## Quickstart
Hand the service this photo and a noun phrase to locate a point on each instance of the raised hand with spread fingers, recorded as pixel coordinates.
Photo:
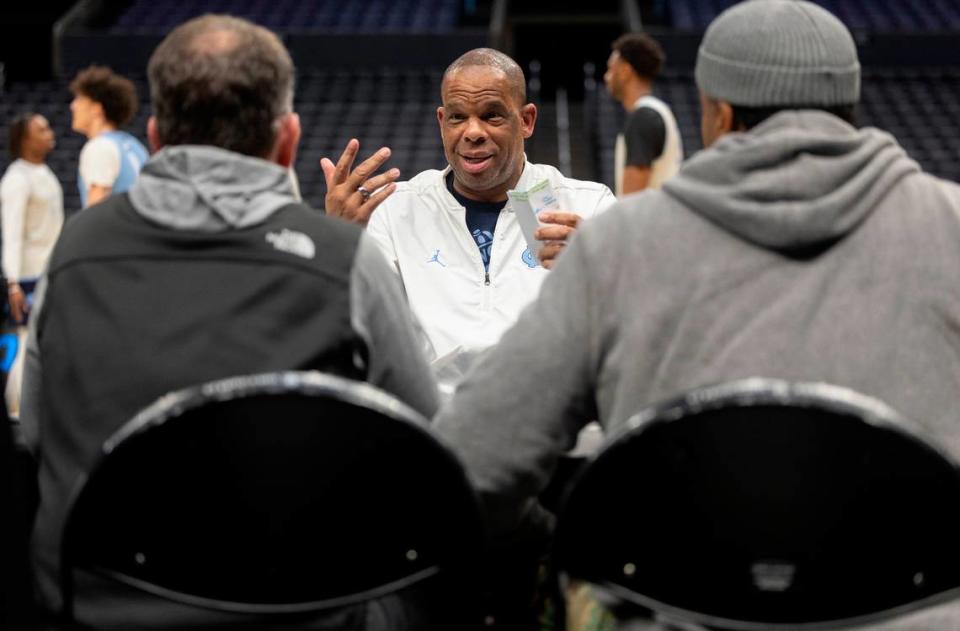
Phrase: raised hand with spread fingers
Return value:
(354, 195)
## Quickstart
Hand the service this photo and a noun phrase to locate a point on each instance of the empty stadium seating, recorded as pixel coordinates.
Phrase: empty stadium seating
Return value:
(890, 16)
(291, 16)
(396, 108)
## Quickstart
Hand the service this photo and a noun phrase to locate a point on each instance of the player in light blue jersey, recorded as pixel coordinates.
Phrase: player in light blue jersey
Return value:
(111, 159)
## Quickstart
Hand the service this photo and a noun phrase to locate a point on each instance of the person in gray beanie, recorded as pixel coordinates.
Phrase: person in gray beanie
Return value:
(758, 59)
(795, 246)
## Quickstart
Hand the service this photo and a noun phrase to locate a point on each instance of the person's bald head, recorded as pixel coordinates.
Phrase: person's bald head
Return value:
(222, 81)
(490, 58)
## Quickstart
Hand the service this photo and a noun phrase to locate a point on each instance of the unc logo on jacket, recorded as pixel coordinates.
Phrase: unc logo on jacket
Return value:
(421, 229)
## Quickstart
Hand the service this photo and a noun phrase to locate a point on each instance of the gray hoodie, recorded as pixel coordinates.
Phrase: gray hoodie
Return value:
(203, 188)
(803, 250)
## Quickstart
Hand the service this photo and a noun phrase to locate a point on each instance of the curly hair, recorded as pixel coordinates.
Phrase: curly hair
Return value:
(116, 94)
(642, 52)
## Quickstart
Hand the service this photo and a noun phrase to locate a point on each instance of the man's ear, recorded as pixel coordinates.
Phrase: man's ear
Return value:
(440, 114)
(98, 111)
(716, 119)
(288, 139)
(725, 117)
(528, 119)
(153, 136)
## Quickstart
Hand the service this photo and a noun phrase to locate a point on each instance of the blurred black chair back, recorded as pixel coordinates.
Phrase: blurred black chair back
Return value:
(762, 503)
(18, 503)
(273, 494)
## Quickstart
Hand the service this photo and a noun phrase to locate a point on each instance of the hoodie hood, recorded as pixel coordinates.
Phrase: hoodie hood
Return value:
(799, 179)
(207, 189)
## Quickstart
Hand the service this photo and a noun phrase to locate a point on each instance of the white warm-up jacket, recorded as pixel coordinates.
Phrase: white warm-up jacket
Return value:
(422, 230)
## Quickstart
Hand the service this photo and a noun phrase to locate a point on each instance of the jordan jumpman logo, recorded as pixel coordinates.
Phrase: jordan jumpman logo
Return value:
(436, 258)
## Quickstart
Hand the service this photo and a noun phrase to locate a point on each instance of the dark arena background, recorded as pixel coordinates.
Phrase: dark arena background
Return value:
(371, 70)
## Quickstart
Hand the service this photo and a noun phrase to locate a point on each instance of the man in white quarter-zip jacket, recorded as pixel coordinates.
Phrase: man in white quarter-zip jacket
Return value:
(451, 234)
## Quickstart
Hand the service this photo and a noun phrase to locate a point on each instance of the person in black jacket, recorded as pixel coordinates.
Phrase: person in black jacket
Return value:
(208, 267)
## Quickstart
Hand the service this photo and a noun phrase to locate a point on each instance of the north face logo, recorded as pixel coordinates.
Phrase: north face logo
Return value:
(293, 242)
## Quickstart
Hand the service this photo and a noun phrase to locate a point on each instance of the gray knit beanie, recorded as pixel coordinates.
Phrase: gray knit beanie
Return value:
(762, 53)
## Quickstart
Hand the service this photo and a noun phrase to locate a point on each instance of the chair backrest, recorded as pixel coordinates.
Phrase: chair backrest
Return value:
(761, 503)
(18, 503)
(276, 493)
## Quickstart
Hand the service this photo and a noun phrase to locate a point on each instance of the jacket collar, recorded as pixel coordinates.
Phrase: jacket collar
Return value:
(527, 179)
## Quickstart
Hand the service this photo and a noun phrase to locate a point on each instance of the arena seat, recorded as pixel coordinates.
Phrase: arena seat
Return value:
(18, 503)
(379, 106)
(890, 16)
(268, 499)
(397, 108)
(766, 504)
(294, 16)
